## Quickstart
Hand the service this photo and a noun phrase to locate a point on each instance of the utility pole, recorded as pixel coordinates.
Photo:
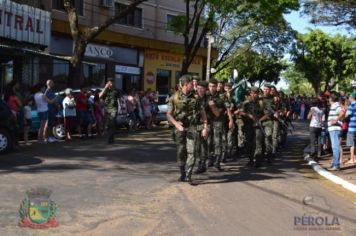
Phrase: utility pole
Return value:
(210, 41)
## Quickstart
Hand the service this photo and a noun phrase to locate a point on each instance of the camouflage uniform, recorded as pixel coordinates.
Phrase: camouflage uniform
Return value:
(254, 136)
(218, 127)
(186, 109)
(231, 137)
(268, 109)
(110, 98)
(276, 127)
(201, 143)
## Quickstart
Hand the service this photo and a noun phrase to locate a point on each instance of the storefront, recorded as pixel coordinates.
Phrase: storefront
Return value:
(163, 69)
(24, 35)
(100, 62)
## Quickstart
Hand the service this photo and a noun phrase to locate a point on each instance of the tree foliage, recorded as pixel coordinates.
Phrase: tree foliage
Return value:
(82, 35)
(324, 58)
(331, 12)
(237, 25)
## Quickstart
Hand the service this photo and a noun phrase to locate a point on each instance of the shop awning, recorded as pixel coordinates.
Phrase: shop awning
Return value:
(32, 51)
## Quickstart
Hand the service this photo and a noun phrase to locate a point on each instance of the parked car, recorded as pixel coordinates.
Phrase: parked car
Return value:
(162, 108)
(8, 128)
(58, 129)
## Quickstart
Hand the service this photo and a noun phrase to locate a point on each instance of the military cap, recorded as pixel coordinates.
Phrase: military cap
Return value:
(213, 81)
(195, 77)
(254, 89)
(203, 83)
(111, 79)
(185, 78)
(228, 84)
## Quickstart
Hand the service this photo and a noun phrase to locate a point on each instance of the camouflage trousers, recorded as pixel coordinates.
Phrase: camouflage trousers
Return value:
(186, 146)
(240, 130)
(275, 136)
(231, 141)
(268, 128)
(218, 138)
(201, 145)
(110, 122)
(254, 143)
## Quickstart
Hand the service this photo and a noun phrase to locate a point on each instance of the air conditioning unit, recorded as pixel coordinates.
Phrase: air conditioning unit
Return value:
(106, 3)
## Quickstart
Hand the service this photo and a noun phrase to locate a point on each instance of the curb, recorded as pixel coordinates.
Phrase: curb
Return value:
(328, 175)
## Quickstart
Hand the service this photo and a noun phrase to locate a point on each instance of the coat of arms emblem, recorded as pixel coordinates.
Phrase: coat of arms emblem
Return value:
(38, 210)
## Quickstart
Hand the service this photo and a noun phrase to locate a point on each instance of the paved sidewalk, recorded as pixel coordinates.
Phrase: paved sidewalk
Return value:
(347, 172)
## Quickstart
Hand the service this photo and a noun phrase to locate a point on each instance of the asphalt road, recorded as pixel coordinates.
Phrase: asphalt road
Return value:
(130, 188)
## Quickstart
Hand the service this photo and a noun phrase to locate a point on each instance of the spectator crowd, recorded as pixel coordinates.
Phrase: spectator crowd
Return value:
(82, 112)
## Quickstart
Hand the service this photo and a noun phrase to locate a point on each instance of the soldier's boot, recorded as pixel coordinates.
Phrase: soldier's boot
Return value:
(188, 174)
(217, 163)
(211, 161)
(223, 157)
(201, 167)
(182, 174)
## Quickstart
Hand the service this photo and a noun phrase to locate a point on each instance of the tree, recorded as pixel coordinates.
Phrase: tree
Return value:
(256, 68)
(236, 24)
(82, 35)
(331, 12)
(297, 83)
(324, 58)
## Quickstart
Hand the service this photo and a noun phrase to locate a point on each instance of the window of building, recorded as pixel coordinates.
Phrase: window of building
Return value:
(94, 75)
(60, 73)
(132, 19)
(79, 5)
(168, 20)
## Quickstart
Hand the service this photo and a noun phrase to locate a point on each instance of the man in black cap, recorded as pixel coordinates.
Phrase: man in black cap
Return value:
(110, 96)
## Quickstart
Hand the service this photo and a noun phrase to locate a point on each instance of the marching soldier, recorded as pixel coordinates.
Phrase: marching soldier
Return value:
(217, 107)
(267, 120)
(276, 120)
(184, 112)
(202, 143)
(231, 133)
(253, 112)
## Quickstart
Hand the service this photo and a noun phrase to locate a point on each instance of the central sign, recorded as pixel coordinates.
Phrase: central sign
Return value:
(24, 23)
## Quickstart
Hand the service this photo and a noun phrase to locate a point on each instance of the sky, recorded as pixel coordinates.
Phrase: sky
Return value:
(301, 24)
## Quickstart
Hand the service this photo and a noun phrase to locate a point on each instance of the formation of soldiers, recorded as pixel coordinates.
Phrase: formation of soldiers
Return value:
(210, 128)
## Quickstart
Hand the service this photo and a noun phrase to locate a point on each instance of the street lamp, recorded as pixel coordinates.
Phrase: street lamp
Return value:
(210, 42)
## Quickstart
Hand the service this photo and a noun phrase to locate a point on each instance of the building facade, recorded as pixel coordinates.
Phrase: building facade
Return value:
(139, 51)
(25, 33)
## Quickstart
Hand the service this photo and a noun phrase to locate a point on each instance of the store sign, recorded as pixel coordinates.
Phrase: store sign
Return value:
(169, 60)
(24, 23)
(127, 70)
(93, 50)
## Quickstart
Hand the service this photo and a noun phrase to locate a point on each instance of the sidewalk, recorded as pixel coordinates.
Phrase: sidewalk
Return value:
(347, 172)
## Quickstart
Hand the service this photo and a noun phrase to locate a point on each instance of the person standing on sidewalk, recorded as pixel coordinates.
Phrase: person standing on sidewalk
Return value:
(335, 117)
(351, 134)
(52, 109)
(110, 96)
(315, 116)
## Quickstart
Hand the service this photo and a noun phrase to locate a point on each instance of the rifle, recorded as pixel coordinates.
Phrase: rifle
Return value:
(284, 124)
(261, 127)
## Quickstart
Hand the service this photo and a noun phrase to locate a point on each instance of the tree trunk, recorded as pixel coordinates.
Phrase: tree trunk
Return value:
(75, 75)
